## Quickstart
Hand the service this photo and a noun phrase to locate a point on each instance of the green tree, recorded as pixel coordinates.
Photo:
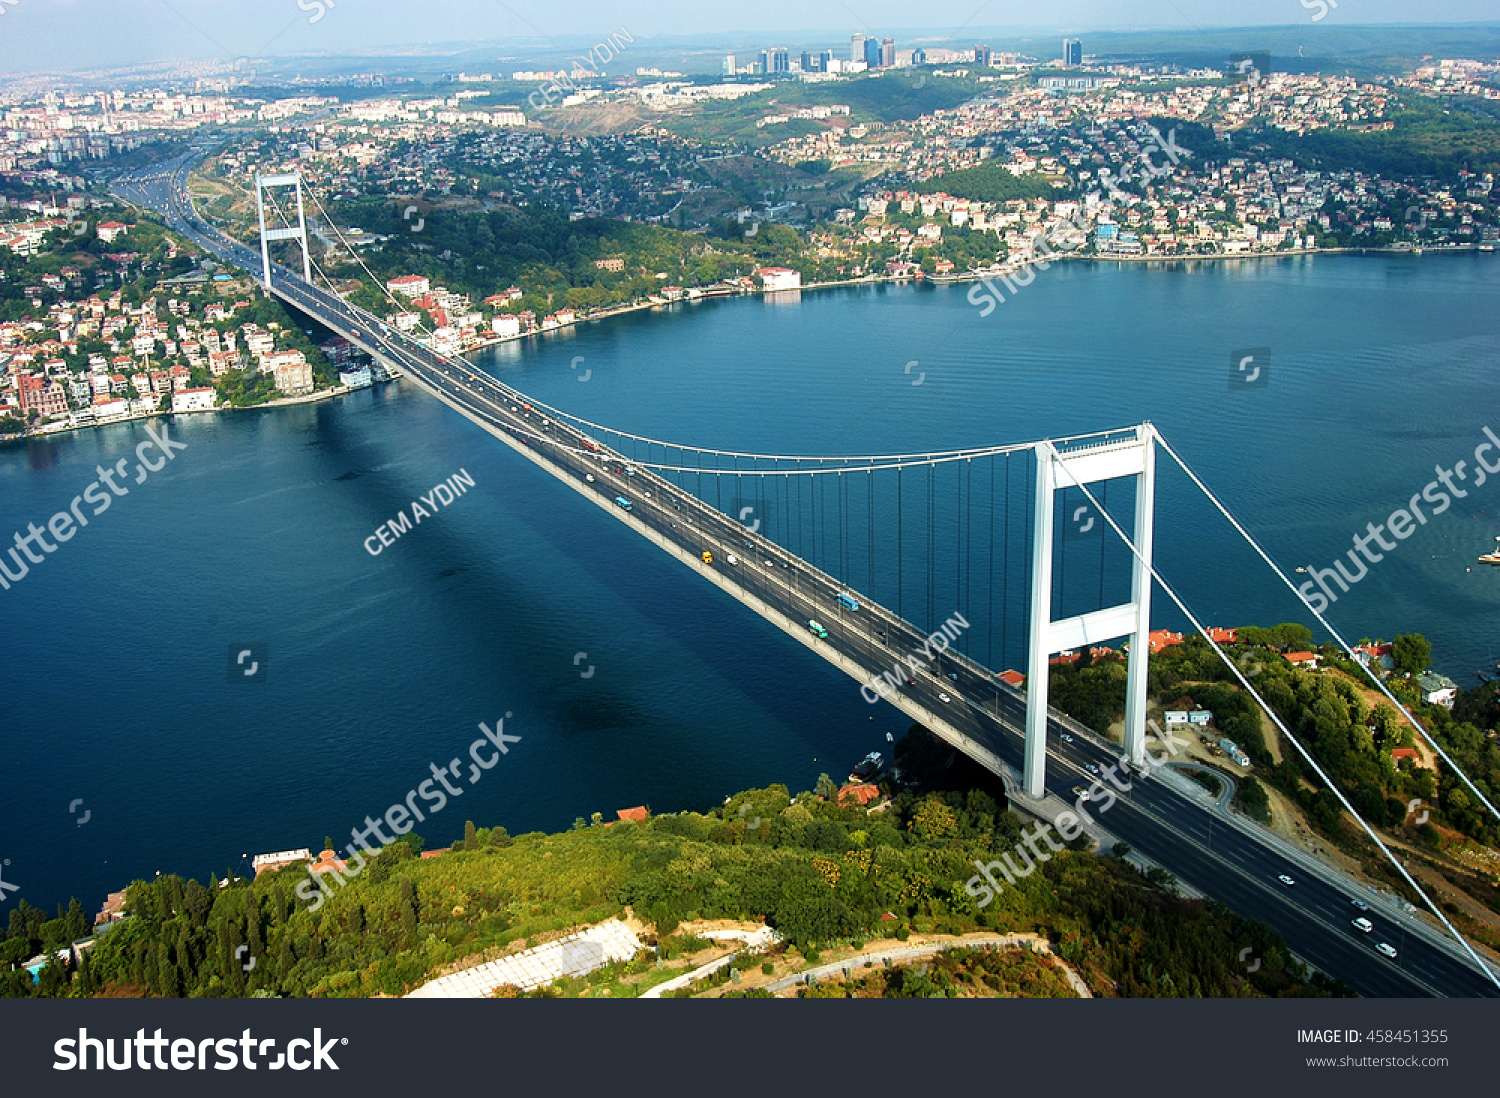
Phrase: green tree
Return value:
(826, 787)
(1411, 652)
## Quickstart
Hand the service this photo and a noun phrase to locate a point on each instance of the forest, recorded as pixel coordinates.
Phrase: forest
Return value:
(819, 871)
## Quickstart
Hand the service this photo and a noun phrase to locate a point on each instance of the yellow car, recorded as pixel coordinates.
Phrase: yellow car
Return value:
(708, 558)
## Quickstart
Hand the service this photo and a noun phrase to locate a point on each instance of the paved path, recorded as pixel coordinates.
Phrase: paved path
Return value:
(755, 941)
(908, 953)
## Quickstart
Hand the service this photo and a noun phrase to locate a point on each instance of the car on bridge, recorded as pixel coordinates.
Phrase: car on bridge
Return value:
(848, 602)
(816, 630)
(1362, 924)
(624, 503)
(708, 558)
(1284, 879)
(1387, 949)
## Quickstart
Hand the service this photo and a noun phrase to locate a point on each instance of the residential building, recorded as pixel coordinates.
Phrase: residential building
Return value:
(779, 278)
(1437, 689)
(409, 285)
(193, 400)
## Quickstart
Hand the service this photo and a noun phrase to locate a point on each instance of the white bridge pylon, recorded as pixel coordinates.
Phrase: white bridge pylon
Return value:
(262, 183)
(1057, 469)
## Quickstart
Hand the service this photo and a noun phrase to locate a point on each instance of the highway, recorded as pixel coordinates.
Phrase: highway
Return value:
(1184, 835)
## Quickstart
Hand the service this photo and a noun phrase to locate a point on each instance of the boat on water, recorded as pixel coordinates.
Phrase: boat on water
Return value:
(868, 767)
(1490, 558)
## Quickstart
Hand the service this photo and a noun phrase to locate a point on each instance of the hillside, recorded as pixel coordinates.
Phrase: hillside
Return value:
(823, 874)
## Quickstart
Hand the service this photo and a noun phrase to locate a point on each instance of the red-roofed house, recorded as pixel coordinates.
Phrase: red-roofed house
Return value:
(439, 852)
(1399, 753)
(862, 793)
(637, 813)
(1302, 659)
(327, 860)
(1013, 678)
(1164, 638)
(1221, 636)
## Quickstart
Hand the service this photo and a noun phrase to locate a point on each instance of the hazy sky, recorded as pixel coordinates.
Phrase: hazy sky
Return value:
(75, 34)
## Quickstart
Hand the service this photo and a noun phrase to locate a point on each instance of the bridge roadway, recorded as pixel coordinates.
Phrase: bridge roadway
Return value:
(981, 715)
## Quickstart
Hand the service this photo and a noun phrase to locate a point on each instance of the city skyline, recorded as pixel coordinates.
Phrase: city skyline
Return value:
(75, 35)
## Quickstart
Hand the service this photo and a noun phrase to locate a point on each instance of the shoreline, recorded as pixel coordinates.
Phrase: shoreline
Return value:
(862, 280)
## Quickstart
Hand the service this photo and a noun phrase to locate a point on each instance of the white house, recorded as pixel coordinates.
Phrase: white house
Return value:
(779, 278)
(1437, 689)
(193, 400)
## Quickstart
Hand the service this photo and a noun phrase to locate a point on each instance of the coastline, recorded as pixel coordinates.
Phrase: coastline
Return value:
(863, 280)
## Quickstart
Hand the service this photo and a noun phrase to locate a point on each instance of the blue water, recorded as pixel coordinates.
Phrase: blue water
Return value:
(114, 650)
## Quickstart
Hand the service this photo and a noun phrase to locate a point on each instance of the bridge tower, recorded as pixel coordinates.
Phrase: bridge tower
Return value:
(1065, 466)
(262, 184)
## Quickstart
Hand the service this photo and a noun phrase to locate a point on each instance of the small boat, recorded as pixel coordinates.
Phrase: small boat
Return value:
(1301, 571)
(1490, 558)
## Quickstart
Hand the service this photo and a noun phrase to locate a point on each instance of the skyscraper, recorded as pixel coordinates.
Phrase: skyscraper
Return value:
(888, 53)
(982, 56)
(872, 52)
(1072, 52)
(729, 69)
(856, 47)
(780, 60)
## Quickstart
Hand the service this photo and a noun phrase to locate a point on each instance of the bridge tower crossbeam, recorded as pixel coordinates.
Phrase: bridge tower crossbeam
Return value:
(1130, 457)
(262, 184)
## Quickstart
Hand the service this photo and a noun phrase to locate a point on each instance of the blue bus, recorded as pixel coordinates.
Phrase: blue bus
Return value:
(625, 503)
(847, 601)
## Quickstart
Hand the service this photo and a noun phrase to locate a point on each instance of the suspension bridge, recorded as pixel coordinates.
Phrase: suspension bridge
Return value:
(919, 575)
